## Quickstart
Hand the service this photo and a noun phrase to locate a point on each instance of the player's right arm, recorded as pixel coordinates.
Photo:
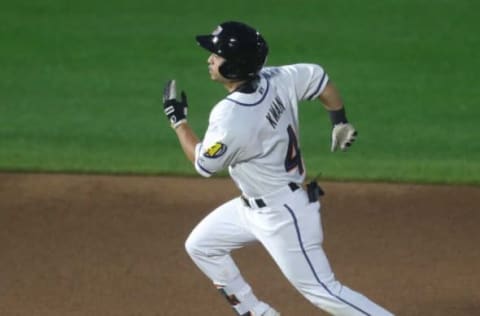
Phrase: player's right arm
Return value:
(330, 98)
(343, 133)
(311, 82)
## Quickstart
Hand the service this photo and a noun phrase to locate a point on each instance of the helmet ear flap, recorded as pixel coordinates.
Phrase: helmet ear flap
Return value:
(229, 70)
(237, 70)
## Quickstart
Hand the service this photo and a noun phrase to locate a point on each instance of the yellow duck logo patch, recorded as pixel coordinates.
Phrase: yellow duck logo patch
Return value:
(216, 150)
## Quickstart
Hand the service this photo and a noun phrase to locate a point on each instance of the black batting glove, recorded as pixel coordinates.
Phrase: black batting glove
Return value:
(176, 111)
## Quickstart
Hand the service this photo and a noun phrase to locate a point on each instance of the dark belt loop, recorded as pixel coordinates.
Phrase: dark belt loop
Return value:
(261, 203)
(293, 186)
(245, 200)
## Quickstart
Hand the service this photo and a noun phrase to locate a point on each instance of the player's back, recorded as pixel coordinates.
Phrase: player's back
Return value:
(266, 124)
(254, 130)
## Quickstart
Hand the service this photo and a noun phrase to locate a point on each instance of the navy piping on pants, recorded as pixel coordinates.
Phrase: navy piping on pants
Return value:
(299, 236)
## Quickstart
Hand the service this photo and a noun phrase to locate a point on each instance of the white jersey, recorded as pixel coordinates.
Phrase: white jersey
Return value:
(256, 135)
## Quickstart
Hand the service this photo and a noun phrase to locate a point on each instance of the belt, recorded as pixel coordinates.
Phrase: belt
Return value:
(261, 203)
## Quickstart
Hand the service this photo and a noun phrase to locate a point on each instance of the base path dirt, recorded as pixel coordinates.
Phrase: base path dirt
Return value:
(74, 245)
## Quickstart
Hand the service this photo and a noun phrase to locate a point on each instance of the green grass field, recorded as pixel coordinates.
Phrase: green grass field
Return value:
(81, 83)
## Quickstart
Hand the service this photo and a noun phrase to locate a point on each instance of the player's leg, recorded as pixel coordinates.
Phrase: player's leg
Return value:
(296, 246)
(209, 245)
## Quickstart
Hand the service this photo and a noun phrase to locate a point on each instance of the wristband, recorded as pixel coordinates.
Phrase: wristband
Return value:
(178, 123)
(338, 116)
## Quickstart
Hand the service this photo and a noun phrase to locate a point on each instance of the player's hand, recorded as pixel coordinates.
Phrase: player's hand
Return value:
(343, 136)
(176, 111)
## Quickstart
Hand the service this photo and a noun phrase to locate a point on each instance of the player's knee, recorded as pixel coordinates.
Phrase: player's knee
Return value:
(191, 246)
(194, 248)
(197, 247)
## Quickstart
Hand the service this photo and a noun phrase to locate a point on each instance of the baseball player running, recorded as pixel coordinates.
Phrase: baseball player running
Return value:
(254, 132)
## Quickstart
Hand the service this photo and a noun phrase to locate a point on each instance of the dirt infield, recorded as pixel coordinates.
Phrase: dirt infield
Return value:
(111, 245)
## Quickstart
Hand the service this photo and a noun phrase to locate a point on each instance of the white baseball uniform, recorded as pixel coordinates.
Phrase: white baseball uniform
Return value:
(254, 132)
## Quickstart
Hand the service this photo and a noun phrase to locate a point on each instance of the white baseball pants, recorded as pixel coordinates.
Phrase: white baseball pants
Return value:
(290, 229)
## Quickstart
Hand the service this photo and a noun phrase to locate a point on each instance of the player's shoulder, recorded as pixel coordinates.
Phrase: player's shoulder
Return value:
(235, 113)
(290, 69)
(242, 102)
(227, 121)
(221, 111)
(225, 112)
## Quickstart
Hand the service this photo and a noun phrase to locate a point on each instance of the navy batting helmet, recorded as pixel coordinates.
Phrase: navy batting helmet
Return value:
(243, 48)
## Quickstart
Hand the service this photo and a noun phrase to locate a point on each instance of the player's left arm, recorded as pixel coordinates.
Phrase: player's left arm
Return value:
(188, 140)
(176, 112)
(343, 133)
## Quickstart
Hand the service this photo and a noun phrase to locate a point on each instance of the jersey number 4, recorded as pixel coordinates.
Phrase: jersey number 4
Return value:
(294, 158)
